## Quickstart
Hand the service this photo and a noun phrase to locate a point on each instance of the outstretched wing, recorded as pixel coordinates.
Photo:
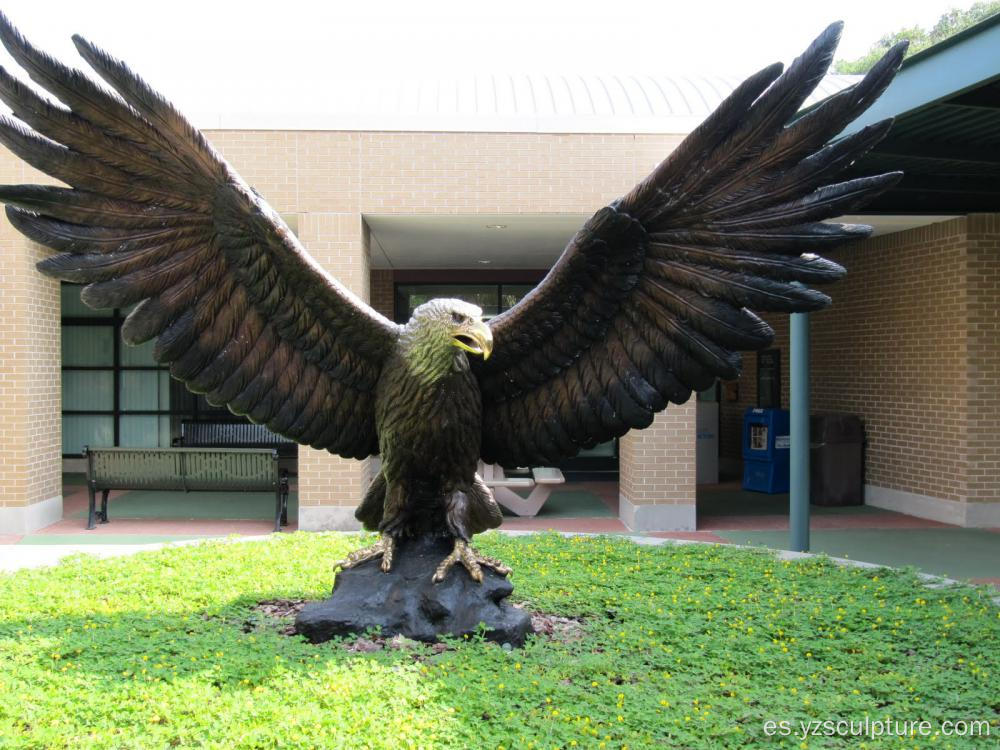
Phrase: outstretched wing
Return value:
(651, 299)
(155, 216)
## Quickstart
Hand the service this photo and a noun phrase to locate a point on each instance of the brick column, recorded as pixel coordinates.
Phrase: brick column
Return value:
(30, 378)
(330, 487)
(983, 438)
(657, 473)
(383, 293)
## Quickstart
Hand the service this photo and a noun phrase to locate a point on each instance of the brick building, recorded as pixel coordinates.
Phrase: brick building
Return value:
(396, 205)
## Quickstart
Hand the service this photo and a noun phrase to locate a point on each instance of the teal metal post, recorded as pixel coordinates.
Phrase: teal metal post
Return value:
(798, 510)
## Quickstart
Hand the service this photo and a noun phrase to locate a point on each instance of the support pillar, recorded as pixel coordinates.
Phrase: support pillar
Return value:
(30, 379)
(982, 507)
(798, 511)
(330, 487)
(657, 473)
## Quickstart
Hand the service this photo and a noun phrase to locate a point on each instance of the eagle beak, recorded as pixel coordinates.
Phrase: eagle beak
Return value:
(475, 337)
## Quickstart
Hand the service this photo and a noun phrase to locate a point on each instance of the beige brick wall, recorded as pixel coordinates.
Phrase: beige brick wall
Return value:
(657, 464)
(30, 400)
(983, 346)
(913, 328)
(339, 243)
(329, 179)
(452, 173)
(912, 345)
(893, 348)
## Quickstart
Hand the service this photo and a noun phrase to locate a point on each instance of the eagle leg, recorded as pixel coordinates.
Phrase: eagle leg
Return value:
(385, 546)
(471, 560)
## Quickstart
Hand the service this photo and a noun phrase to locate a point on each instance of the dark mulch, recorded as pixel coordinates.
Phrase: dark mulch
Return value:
(557, 628)
(281, 613)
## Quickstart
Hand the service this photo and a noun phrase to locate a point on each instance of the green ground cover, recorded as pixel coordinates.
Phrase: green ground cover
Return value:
(690, 646)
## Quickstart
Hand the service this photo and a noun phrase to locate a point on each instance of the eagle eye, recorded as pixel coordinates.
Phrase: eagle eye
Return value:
(458, 317)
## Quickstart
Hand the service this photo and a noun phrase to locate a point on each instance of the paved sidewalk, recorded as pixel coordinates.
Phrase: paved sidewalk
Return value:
(726, 515)
(20, 556)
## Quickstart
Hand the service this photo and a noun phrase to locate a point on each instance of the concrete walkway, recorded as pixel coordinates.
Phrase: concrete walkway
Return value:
(19, 556)
(726, 515)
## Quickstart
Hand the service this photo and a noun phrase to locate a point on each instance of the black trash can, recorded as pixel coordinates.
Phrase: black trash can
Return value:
(836, 475)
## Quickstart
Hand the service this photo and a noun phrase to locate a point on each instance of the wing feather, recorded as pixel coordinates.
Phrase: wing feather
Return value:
(652, 298)
(153, 215)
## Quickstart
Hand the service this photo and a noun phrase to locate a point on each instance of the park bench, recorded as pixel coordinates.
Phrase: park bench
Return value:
(241, 434)
(186, 469)
(540, 483)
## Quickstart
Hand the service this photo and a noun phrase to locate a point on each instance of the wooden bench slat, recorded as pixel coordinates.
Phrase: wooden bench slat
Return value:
(234, 434)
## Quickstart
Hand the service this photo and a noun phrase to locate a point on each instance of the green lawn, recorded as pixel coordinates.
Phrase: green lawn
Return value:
(688, 646)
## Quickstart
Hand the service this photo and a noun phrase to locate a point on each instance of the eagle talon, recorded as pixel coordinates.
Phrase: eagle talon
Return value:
(384, 547)
(471, 560)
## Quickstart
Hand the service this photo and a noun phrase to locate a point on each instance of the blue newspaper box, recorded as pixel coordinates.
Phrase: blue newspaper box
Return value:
(765, 450)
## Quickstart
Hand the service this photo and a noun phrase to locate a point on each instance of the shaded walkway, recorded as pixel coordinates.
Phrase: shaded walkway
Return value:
(726, 515)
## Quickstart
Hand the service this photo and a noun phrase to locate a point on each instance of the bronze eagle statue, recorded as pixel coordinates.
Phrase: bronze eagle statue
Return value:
(650, 301)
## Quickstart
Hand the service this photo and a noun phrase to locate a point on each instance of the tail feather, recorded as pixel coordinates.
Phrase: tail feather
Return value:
(373, 505)
(484, 511)
(472, 510)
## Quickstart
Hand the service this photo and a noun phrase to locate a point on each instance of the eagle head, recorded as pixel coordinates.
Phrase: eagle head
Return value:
(439, 333)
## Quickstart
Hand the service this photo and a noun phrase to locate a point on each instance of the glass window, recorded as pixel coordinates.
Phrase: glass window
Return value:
(138, 356)
(116, 394)
(102, 378)
(88, 346)
(73, 307)
(492, 298)
(511, 294)
(410, 296)
(79, 430)
(144, 431)
(88, 390)
(144, 390)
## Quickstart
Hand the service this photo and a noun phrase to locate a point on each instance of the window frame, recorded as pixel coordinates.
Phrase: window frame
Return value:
(400, 307)
(114, 321)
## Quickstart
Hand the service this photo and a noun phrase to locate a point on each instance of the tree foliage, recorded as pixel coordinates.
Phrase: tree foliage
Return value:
(947, 25)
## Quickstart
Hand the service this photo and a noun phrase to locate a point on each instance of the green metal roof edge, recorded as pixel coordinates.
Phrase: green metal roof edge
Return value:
(964, 61)
(953, 39)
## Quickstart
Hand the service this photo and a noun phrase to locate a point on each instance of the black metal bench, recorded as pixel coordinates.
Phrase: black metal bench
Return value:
(242, 434)
(184, 469)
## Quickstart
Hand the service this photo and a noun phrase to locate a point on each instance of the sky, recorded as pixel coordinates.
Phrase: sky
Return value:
(237, 56)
